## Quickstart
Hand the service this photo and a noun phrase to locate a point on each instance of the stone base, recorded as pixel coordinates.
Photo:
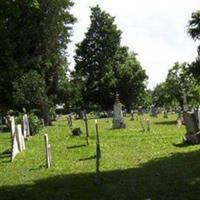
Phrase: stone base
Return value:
(192, 138)
(117, 124)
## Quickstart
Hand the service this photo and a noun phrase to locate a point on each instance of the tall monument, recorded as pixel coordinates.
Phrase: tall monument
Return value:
(118, 120)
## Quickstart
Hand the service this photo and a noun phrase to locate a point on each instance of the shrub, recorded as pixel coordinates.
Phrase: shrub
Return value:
(34, 123)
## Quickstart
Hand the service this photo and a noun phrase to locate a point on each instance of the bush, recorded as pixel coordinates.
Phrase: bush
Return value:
(34, 123)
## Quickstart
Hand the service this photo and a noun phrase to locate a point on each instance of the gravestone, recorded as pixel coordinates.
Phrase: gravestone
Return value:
(191, 123)
(154, 112)
(15, 147)
(118, 120)
(12, 125)
(26, 128)
(20, 137)
(48, 151)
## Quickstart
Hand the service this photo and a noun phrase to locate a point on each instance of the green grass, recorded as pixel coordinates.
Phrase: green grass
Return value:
(134, 165)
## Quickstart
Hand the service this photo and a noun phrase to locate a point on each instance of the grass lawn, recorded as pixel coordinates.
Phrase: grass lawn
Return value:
(134, 165)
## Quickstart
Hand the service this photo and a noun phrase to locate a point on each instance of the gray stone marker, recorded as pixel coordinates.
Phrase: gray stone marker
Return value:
(118, 120)
(48, 151)
(26, 127)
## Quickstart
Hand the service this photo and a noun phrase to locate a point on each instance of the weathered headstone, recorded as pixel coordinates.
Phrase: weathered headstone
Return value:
(190, 122)
(12, 125)
(48, 151)
(118, 120)
(20, 137)
(26, 127)
(154, 112)
(15, 147)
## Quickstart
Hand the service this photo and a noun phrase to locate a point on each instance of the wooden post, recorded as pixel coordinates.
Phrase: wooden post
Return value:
(86, 128)
(48, 151)
(148, 125)
(98, 154)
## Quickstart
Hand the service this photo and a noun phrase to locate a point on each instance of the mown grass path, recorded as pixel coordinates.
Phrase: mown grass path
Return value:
(134, 165)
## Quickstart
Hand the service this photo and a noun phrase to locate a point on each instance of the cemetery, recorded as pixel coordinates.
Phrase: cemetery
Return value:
(89, 111)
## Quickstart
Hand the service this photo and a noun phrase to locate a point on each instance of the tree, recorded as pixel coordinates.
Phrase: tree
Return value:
(94, 56)
(34, 36)
(194, 31)
(104, 67)
(129, 77)
(180, 82)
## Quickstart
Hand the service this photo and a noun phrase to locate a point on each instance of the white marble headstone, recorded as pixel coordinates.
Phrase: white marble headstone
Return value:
(12, 123)
(15, 148)
(20, 138)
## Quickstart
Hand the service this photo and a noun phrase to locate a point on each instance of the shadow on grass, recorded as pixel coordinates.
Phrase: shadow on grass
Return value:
(171, 178)
(165, 123)
(76, 146)
(5, 153)
(183, 144)
(88, 158)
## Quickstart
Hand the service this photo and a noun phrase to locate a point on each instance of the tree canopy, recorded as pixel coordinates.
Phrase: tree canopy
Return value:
(104, 67)
(33, 37)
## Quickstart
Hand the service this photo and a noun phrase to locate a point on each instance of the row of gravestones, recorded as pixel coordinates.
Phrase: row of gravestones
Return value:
(18, 135)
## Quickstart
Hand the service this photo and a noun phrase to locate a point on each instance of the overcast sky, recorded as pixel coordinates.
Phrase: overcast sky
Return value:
(155, 29)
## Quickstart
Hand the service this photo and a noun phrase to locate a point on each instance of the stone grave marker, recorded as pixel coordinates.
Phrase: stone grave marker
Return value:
(26, 127)
(20, 137)
(48, 151)
(118, 120)
(15, 148)
(12, 125)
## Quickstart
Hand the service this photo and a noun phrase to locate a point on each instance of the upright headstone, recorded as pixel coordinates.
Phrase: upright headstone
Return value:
(15, 147)
(12, 125)
(154, 111)
(118, 120)
(20, 137)
(48, 151)
(26, 127)
(190, 122)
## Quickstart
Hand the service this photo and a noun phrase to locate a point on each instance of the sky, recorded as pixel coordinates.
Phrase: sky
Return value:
(155, 29)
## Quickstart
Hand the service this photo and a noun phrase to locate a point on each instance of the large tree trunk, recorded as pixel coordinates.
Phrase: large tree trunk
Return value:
(45, 114)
